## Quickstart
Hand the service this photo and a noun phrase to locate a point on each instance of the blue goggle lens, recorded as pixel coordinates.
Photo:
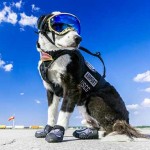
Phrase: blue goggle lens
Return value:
(61, 22)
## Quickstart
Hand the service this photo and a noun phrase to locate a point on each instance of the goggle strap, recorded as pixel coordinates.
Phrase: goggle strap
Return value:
(53, 35)
(39, 21)
(43, 30)
(42, 23)
(49, 38)
(97, 54)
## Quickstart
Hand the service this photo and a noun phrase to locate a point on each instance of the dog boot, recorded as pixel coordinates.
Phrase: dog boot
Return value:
(55, 135)
(43, 133)
(86, 133)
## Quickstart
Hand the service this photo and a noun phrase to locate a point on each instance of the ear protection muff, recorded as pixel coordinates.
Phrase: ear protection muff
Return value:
(42, 24)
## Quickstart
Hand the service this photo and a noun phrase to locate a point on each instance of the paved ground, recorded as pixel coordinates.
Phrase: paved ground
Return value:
(24, 139)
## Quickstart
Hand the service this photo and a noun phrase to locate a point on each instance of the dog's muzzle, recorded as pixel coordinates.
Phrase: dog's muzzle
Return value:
(77, 39)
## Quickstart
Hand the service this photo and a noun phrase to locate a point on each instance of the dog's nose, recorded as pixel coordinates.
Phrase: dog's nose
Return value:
(77, 39)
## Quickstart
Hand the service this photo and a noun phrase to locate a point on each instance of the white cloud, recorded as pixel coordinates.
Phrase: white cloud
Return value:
(7, 15)
(132, 107)
(146, 102)
(147, 90)
(8, 67)
(5, 67)
(135, 112)
(38, 102)
(143, 77)
(18, 4)
(21, 93)
(28, 20)
(2, 63)
(34, 8)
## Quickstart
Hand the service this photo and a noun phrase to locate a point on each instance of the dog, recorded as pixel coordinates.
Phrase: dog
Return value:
(67, 75)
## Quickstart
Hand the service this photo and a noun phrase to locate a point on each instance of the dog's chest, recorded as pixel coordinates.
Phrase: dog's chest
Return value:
(57, 68)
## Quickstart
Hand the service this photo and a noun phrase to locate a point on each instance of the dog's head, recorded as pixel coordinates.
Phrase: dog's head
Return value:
(59, 31)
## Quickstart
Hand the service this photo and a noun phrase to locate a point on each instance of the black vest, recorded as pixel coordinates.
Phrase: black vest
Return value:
(90, 79)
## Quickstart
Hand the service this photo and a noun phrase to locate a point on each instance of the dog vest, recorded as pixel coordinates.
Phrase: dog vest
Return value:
(90, 79)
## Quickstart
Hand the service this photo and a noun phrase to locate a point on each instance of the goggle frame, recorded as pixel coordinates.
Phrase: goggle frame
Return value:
(65, 30)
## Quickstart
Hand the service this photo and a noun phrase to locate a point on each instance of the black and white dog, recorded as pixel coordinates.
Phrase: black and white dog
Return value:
(67, 75)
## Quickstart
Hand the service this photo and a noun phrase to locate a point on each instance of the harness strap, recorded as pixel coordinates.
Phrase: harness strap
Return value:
(53, 42)
(97, 54)
(44, 73)
(53, 35)
(43, 30)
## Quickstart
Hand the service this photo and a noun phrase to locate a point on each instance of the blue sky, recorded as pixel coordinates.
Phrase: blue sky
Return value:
(119, 29)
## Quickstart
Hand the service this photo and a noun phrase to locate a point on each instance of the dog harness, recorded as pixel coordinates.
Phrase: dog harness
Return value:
(90, 79)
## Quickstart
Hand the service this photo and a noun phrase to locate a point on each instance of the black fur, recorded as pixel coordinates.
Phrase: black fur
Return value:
(50, 97)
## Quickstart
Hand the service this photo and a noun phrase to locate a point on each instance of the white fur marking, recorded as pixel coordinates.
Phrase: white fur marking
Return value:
(45, 44)
(67, 40)
(53, 111)
(87, 117)
(57, 68)
(63, 119)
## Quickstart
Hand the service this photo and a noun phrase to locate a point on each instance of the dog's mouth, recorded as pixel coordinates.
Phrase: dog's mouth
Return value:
(68, 46)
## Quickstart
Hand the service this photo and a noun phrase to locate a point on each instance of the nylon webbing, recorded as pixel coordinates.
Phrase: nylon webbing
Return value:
(97, 54)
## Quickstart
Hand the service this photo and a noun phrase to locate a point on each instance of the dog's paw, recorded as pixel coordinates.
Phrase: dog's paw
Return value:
(87, 133)
(43, 133)
(55, 135)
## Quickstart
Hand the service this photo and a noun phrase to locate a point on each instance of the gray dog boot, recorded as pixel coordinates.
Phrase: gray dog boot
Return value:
(55, 135)
(86, 133)
(43, 133)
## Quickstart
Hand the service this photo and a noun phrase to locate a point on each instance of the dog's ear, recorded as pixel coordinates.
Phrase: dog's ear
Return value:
(40, 22)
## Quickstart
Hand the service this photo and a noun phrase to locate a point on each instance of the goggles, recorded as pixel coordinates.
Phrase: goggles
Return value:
(63, 23)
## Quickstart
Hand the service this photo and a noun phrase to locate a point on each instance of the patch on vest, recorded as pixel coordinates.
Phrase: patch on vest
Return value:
(90, 79)
(88, 82)
(84, 86)
(90, 66)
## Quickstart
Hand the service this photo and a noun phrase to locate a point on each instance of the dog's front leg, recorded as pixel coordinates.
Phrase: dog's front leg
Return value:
(66, 111)
(53, 102)
(71, 94)
(70, 98)
(57, 134)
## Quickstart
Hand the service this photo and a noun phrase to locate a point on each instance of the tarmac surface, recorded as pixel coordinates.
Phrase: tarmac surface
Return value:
(24, 139)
